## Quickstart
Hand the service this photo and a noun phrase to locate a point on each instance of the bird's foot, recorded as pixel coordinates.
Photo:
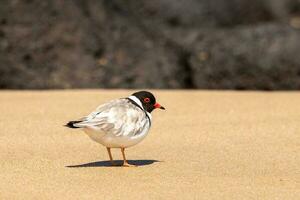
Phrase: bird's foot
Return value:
(126, 164)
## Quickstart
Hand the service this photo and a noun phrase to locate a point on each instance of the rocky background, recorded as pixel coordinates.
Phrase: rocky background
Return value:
(211, 44)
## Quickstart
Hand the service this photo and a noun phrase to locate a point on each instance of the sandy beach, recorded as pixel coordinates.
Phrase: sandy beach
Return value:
(206, 145)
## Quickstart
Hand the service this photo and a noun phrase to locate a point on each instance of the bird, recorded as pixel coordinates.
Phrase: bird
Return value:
(120, 123)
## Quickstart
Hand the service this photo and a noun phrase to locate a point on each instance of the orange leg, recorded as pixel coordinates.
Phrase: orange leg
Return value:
(125, 163)
(110, 156)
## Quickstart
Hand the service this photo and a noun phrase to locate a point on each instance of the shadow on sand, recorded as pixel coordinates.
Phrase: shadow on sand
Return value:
(118, 163)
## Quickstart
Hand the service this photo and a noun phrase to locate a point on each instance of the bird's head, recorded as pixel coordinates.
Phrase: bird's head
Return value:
(148, 100)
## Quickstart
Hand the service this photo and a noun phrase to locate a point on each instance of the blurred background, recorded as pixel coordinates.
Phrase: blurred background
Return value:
(205, 44)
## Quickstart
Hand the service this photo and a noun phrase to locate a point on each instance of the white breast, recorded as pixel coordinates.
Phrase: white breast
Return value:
(117, 141)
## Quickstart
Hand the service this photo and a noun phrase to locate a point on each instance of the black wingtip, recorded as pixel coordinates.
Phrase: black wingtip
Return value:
(70, 124)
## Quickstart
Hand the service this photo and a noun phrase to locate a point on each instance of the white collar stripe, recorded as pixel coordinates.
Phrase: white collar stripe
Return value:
(136, 100)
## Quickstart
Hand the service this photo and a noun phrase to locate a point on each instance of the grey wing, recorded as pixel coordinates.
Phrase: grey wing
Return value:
(118, 117)
(95, 117)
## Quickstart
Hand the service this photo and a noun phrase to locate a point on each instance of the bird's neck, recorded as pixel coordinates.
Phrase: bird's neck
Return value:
(138, 102)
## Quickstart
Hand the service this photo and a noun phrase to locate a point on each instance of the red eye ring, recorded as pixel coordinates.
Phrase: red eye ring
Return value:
(147, 100)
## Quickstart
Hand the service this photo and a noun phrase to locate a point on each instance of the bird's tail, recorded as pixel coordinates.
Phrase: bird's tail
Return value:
(72, 124)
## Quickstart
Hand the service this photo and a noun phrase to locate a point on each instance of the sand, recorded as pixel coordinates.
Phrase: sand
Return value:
(206, 145)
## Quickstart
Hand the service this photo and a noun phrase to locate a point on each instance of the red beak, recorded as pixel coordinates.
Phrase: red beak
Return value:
(157, 105)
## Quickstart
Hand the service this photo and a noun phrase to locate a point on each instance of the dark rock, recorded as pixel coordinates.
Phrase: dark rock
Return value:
(149, 44)
(263, 57)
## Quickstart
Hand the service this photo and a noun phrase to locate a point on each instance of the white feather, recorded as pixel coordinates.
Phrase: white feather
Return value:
(118, 123)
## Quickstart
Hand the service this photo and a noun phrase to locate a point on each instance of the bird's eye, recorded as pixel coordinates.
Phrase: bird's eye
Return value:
(146, 100)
